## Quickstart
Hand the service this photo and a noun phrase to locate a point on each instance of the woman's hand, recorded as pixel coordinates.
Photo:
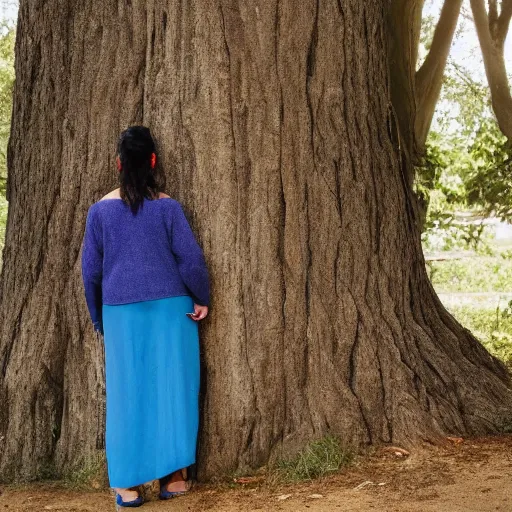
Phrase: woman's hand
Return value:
(98, 327)
(200, 312)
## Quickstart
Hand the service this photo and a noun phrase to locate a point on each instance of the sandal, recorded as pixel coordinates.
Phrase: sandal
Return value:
(164, 493)
(137, 502)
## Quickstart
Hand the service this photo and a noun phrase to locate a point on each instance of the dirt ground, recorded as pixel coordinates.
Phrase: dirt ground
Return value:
(474, 475)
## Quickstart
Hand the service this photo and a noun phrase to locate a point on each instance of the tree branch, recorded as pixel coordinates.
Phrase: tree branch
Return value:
(504, 21)
(404, 19)
(494, 61)
(429, 78)
(493, 15)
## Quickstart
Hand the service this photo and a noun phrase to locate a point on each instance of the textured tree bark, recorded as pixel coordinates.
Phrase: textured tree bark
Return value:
(276, 130)
(403, 35)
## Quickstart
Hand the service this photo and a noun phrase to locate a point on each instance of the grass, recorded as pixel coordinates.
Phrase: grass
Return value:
(477, 274)
(317, 459)
(91, 473)
(493, 327)
(490, 320)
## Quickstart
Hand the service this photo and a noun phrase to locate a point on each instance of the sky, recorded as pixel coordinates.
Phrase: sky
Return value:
(8, 10)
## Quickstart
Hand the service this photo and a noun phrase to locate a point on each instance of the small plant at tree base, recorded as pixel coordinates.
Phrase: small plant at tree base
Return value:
(89, 473)
(506, 427)
(48, 471)
(317, 459)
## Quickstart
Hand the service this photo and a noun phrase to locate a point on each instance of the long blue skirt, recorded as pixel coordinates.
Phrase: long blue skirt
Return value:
(152, 388)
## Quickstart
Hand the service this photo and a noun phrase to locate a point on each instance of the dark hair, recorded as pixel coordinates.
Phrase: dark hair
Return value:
(137, 179)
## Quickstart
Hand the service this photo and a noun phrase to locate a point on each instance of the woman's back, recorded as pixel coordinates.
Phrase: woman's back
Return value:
(148, 255)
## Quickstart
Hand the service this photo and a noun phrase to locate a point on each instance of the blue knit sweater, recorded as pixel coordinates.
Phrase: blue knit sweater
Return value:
(149, 255)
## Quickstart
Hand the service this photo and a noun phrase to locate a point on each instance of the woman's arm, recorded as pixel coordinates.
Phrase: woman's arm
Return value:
(92, 269)
(189, 256)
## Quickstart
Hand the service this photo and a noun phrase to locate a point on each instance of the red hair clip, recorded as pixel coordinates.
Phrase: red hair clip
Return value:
(153, 160)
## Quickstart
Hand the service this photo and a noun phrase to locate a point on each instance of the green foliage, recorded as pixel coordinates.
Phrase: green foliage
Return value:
(319, 458)
(91, 472)
(489, 177)
(477, 274)
(480, 153)
(441, 192)
(464, 101)
(488, 317)
(493, 327)
(466, 167)
(447, 234)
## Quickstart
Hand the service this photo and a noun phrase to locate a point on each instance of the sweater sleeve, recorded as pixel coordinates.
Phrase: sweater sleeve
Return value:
(92, 269)
(189, 256)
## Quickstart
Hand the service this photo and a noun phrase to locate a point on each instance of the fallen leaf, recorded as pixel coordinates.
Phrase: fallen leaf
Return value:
(284, 497)
(362, 485)
(400, 452)
(315, 496)
(455, 440)
(248, 479)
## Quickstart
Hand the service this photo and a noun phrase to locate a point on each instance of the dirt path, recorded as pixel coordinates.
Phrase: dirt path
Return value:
(474, 476)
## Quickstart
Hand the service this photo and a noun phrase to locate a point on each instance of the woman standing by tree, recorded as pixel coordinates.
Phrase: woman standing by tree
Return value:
(146, 286)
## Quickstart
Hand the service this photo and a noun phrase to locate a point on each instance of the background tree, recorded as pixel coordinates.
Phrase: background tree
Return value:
(415, 91)
(466, 164)
(7, 35)
(6, 84)
(279, 137)
(492, 26)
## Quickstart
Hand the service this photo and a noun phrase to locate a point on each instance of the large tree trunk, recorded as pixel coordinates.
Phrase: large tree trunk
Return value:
(276, 132)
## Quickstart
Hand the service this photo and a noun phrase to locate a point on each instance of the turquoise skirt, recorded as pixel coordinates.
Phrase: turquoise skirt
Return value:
(152, 388)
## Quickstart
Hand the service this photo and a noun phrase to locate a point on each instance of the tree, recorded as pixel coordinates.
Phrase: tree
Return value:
(492, 29)
(467, 163)
(479, 152)
(278, 137)
(415, 92)
(6, 84)
(415, 89)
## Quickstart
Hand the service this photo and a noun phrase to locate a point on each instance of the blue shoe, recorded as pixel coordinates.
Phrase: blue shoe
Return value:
(167, 495)
(137, 502)
(164, 493)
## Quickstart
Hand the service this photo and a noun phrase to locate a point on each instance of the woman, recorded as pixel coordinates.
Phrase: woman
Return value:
(146, 287)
